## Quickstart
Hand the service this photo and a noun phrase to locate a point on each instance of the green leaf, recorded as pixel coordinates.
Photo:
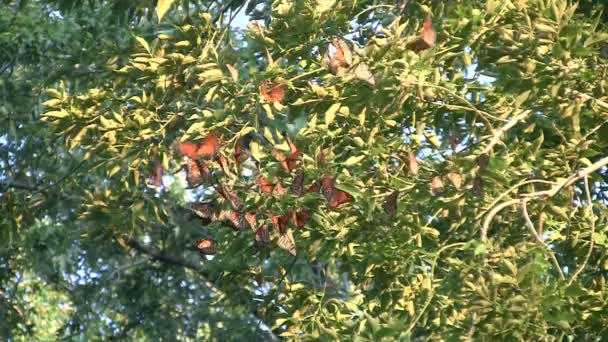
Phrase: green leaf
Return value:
(162, 7)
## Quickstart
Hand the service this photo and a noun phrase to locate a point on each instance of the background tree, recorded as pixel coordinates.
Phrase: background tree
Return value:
(437, 186)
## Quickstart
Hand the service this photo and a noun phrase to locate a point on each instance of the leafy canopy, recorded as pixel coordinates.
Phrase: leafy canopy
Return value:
(459, 184)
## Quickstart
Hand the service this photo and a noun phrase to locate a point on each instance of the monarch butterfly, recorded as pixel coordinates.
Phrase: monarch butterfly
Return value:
(205, 246)
(341, 58)
(265, 185)
(251, 218)
(279, 189)
(482, 161)
(262, 236)
(223, 163)
(280, 222)
(276, 93)
(287, 243)
(315, 187)
(238, 153)
(390, 204)
(335, 197)
(362, 72)
(289, 162)
(156, 175)
(205, 210)
(338, 198)
(478, 186)
(427, 37)
(196, 171)
(300, 217)
(297, 187)
(436, 185)
(413, 163)
(453, 141)
(234, 74)
(208, 148)
(234, 200)
(234, 219)
(455, 178)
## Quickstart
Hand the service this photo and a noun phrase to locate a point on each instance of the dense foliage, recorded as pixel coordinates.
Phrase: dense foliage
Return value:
(441, 179)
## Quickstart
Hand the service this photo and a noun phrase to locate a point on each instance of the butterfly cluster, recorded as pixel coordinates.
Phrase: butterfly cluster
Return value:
(199, 161)
(202, 157)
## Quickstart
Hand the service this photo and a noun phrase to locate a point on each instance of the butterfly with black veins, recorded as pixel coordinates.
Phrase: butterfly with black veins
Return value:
(205, 246)
(287, 243)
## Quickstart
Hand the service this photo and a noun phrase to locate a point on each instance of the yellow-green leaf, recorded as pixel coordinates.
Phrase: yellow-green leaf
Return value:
(162, 7)
(256, 150)
(330, 114)
(143, 43)
(353, 160)
(212, 75)
(60, 114)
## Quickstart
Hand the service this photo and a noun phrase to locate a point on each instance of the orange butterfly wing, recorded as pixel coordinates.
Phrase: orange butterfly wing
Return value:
(251, 219)
(427, 38)
(276, 93)
(209, 146)
(279, 189)
(315, 187)
(287, 243)
(280, 222)
(265, 185)
(293, 156)
(206, 247)
(338, 198)
(262, 236)
(196, 170)
(300, 217)
(223, 163)
(187, 149)
(238, 153)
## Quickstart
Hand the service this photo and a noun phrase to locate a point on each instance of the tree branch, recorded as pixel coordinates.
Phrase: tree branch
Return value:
(586, 97)
(173, 259)
(502, 130)
(539, 240)
(581, 268)
(545, 194)
(18, 185)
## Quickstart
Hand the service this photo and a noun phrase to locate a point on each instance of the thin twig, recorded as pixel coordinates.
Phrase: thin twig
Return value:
(511, 189)
(586, 97)
(432, 294)
(502, 130)
(538, 239)
(581, 268)
(290, 267)
(64, 177)
(159, 255)
(541, 194)
(491, 214)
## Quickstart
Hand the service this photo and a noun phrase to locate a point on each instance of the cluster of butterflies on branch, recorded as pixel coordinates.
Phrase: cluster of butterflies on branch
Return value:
(341, 61)
(198, 169)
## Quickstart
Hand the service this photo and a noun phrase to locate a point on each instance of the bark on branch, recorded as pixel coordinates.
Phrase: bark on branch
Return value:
(580, 174)
(178, 260)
